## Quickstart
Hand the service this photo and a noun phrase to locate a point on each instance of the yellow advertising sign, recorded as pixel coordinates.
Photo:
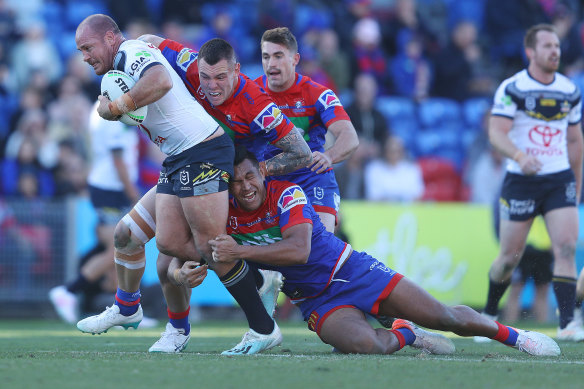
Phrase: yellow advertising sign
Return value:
(445, 248)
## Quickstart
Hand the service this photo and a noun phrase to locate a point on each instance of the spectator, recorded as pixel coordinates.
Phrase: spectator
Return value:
(393, 177)
(333, 60)
(410, 72)
(35, 53)
(460, 69)
(368, 56)
(372, 130)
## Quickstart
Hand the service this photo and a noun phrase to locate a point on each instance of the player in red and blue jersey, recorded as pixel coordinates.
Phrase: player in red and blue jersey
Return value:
(274, 225)
(314, 109)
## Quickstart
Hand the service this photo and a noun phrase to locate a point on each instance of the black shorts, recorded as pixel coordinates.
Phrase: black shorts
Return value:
(535, 264)
(202, 169)
(524, 197)
(110, 205)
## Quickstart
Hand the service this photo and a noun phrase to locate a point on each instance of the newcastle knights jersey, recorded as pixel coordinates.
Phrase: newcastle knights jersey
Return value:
(286, 205)
(249, 115)
(312, 108)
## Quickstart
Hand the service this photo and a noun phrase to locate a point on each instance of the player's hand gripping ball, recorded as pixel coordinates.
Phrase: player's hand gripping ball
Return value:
(114, 84)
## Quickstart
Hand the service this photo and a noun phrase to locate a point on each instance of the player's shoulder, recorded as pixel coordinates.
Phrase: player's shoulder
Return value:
(565, 84)
(287, 194)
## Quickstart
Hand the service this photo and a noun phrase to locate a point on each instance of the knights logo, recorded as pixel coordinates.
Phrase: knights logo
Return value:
(233, 222)
(184, 177)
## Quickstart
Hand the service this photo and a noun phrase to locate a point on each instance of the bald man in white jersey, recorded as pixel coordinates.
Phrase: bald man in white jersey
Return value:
(536, 123)
(191, 195)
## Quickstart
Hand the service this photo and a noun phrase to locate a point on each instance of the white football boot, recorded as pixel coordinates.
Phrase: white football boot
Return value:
(573, 332)
(172, 340)
(535, 343)
(253, 343)
(109, 318)
(270, 289)
(66, 303)
(428, 342)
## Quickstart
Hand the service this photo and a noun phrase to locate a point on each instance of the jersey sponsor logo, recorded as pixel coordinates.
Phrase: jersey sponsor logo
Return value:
(200, 93)
(163, 178)
(185, 58)
(571, 192)
(143, 59)
(122, 84)
(329, 99)
(312, 320)
(545, 136)
(547, 102)
(565, 107)
(291, 197)
(269, 118)
(519, 207)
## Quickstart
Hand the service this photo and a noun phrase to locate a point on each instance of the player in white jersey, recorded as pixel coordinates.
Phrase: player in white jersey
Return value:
(112, 186)
(191, 199)
(536, 123)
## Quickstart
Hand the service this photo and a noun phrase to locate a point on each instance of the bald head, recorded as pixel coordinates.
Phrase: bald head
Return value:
(99, 24)
(98, 37)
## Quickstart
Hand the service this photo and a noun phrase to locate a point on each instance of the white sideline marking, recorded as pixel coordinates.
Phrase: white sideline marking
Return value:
(502, 358)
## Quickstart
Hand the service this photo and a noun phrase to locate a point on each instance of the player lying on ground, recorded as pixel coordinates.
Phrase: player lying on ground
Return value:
(334, 286)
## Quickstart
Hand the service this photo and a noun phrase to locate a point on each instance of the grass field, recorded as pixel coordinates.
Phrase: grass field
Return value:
(49, 354)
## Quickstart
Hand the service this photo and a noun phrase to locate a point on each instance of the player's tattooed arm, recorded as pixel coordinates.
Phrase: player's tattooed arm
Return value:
(295, 155)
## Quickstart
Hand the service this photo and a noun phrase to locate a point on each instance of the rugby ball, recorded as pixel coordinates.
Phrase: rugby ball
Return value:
(114, 84)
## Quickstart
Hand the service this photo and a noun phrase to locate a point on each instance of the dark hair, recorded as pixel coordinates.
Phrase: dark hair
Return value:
(281, 36)
(530, 39)
(215, 50)
(242, 153)
(100, 24)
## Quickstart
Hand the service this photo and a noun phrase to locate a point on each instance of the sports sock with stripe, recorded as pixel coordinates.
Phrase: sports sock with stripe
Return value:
(506, 335)
(128, 302)
(180, 320)
(405, 336)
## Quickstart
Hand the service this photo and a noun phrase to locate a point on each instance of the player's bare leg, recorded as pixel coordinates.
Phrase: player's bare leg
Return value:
(562, 227)
(364, 339)
(410, 302)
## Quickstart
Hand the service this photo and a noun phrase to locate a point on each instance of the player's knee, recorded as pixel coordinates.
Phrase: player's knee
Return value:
(362, 344)
(162, 264)
(122, 236)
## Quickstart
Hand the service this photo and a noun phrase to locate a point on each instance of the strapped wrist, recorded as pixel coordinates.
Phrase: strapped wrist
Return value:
(263, 168)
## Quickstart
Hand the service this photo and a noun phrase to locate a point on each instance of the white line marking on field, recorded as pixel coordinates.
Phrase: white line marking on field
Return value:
(502, 358)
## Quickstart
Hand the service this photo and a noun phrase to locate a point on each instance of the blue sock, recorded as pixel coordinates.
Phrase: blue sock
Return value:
(128, 302)
(180, 320)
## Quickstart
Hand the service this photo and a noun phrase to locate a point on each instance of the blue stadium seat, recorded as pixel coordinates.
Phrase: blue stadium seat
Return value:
(396, 108)
(443, 141)
(474, 109)
(438, 111)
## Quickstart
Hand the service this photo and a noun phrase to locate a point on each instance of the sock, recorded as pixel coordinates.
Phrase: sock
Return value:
(258, 277)
(128, 302)
(240, 282)
(565, 291)
(506, 335)
(578, 304)
(180, 320)
(496, 291)
(405, 336)
(80, 284)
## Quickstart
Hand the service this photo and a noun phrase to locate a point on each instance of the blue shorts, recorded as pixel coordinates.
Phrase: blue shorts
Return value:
(362, 283)
(202, 169)
(524, 197)
(110, 205)
(321, 189)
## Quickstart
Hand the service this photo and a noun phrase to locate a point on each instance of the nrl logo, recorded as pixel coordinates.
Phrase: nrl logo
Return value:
(184, 177)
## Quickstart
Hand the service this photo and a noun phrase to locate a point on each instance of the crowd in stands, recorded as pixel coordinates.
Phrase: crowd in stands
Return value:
(416, 77)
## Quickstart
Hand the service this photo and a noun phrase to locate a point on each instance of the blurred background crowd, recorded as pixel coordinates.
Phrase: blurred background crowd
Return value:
(416, 77)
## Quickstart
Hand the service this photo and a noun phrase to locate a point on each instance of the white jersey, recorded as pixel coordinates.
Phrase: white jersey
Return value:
(541, 114)
(177, 121)
(107, 136)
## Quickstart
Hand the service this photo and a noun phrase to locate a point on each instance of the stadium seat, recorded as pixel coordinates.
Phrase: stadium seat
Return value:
(441, 180)
(438, 111)
(474, 109)
(396, 108)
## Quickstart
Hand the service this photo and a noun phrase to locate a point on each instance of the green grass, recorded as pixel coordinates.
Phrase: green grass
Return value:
(48, 354)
